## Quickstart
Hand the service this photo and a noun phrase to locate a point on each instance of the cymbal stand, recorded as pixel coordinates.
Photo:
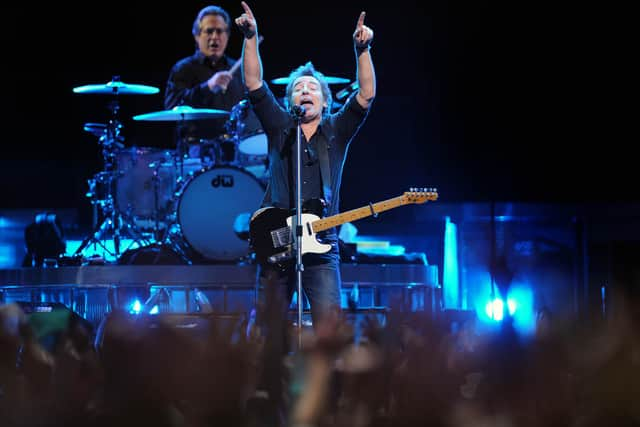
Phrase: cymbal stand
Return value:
(181, 149)
(155, 179)
(234, 127)
(113, 223)
(172, 236)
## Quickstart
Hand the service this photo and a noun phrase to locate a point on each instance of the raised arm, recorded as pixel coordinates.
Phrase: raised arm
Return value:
(251, 63)
(365, 74)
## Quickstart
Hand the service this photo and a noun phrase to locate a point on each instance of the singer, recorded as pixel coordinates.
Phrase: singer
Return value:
(325, 141)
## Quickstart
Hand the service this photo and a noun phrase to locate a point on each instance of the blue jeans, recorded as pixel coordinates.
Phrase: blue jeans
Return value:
(321, 282)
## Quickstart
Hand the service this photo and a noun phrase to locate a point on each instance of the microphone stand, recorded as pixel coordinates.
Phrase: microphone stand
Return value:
(298, 113)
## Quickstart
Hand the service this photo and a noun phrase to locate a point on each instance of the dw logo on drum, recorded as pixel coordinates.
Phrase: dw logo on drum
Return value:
(224, 180)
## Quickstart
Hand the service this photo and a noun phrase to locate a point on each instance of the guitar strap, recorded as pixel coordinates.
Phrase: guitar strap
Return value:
(325, 171)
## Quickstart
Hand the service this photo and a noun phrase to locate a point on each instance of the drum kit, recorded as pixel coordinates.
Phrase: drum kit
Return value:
(197, 204)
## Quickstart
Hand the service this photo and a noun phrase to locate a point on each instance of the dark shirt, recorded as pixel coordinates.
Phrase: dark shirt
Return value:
(335, 132)
(187, 85)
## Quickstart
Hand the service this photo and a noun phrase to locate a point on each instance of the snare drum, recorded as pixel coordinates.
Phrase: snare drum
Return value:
(211, 208)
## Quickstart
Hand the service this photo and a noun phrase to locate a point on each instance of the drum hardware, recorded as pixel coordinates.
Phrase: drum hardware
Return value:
(200, 150)
(114, 225)
(238, 112)
(195, 199)
(250, 141)
(180, 114)
(246, 129)
(156, 181)
(214, 196)
(207, 152)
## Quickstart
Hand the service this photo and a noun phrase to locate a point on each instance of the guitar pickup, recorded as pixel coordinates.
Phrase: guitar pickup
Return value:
(281, 237)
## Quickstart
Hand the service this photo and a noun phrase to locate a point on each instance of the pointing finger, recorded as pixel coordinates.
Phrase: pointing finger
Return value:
(360, 19)
(247, 9)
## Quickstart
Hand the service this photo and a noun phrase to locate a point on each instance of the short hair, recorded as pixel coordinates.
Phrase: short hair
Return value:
(210, 10)
(309, 70)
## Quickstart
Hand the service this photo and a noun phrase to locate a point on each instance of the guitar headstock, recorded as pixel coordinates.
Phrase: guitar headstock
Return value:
(420, 195)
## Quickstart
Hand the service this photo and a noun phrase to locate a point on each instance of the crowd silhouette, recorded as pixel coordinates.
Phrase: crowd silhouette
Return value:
(413, 369)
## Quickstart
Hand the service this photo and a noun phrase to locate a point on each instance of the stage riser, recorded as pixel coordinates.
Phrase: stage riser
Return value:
(228, 275)
(94, 302)
(93, 291)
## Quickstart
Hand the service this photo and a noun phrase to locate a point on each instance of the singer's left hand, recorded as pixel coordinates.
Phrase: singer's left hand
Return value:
(247, 22)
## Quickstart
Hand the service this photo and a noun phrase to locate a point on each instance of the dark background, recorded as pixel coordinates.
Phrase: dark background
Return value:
(487, 101)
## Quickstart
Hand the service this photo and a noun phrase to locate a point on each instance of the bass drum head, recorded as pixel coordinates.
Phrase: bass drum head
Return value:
(212, 208)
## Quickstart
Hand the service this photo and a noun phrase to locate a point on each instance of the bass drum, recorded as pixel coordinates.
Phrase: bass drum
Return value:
(213, 211)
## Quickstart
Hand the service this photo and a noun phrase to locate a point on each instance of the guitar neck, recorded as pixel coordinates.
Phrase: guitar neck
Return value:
(356, 214)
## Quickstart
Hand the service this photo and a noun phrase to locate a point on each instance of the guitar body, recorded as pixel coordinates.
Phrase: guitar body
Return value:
(260, 232)
(270, 235)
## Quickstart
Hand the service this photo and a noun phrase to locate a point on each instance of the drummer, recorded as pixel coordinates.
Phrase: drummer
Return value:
(208, 79)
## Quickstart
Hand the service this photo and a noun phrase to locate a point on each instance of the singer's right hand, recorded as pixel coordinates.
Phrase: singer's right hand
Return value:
(247, 22)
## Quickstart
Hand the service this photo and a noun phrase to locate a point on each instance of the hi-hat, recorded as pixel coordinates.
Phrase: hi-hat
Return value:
(182, 112)
(116, 87)
(328, 79)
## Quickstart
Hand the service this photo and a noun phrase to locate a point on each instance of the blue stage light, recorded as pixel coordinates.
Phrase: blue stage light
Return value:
(495, 309)
(135, 307)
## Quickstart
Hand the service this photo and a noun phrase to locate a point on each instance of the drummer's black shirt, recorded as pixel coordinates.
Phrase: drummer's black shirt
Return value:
(187, 85)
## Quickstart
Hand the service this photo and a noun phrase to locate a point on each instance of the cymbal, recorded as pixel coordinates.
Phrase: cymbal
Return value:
(182, 112)
(116, 88)
(328, 79)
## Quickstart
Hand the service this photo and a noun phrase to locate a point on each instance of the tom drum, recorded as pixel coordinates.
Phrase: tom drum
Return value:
(144, 189)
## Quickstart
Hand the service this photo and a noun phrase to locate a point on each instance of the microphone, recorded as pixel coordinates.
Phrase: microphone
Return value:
(297, 111)
(344, 92)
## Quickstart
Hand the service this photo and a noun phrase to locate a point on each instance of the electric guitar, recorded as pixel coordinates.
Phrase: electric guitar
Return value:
(271, 238)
